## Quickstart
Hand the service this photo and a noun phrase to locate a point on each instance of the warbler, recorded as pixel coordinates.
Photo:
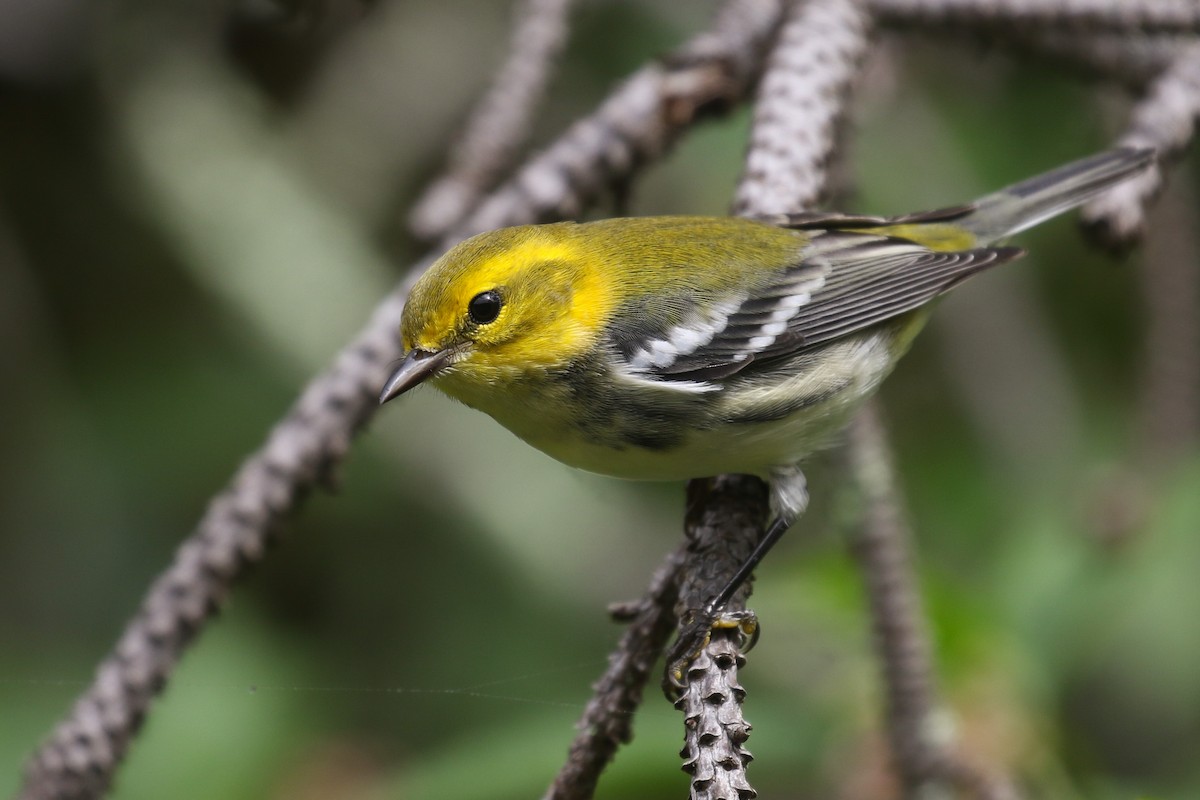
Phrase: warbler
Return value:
(664, 348)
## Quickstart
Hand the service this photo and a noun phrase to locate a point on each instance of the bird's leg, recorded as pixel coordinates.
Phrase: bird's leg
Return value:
(789, 498)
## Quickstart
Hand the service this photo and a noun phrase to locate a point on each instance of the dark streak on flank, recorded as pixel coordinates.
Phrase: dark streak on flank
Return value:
(620, 421)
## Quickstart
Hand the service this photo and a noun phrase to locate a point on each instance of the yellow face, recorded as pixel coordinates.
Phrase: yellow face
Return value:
(504, 302)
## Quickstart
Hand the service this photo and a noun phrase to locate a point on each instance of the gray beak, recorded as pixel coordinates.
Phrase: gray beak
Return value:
(417, 366)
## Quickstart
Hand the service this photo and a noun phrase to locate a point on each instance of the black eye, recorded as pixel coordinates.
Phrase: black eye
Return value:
(484, 307)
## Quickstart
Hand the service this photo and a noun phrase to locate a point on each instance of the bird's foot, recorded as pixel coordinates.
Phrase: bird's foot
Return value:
(696, 630)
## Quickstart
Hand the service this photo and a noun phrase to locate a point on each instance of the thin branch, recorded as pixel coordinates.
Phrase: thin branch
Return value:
(725, 516)
(802, 96)
(881, 547)
(715, 731)
(811, 71)
(495, 132)
(1147, 16)
(1164, 119)
(737, 38)
(635, 125)
(607, 722)
(921, 746)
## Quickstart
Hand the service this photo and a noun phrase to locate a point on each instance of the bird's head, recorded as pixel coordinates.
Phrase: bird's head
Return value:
(499, 305)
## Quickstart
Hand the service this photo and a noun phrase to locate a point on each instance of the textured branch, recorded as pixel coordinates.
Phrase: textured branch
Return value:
(1164, 119)
(802, 96)
(501, 123)
(881, 547)
(725, 516)
(919, 738)
(801, 99)
(800, 104)
(636, 124)
(607, 722)
(1147, 16)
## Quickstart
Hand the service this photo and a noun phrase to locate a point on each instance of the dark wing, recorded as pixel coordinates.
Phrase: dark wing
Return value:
(844, 282)
(873, 282)
(823, 220)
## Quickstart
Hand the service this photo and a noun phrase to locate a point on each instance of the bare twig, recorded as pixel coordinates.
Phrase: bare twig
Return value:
(736, 40)
(794, 133)
(636, 124)
(881, 547)
(607, 722)
(1161, 16)
(500, 124)
(1164, 119)
(715, 730)
(920, 739)
(802, 96)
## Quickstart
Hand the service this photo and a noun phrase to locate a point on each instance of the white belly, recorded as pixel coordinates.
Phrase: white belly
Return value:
(847, 374)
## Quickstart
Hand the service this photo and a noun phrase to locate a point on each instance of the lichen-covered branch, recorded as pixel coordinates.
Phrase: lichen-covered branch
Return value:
(501, 123)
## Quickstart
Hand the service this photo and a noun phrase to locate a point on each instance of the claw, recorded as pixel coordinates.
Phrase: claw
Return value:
(696, 632)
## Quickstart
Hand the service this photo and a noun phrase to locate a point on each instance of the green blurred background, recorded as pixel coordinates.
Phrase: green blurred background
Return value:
(196, 212)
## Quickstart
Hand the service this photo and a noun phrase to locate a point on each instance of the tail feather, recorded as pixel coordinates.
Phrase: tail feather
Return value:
(1025, 204)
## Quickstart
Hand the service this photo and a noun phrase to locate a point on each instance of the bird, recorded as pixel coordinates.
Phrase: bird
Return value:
(678, 347)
